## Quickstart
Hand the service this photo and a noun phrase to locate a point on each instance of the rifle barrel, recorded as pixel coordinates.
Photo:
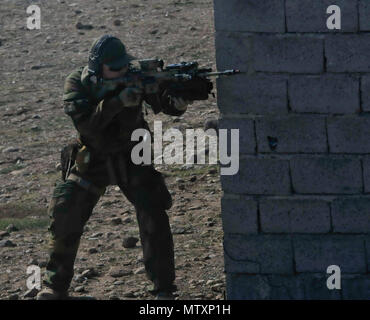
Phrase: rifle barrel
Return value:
(220, 73)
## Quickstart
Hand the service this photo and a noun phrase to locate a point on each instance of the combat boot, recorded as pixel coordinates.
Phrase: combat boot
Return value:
(50, 294)
(165, 295)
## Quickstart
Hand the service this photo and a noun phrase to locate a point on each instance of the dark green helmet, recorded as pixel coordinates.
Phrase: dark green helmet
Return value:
(107, 50)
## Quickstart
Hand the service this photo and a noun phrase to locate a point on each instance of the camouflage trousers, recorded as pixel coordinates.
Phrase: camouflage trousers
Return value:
(71, 207)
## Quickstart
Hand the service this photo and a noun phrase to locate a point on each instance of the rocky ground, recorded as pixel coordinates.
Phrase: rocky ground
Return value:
(34, 128)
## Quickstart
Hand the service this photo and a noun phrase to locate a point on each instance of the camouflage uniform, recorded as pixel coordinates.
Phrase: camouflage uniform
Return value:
(105, 128)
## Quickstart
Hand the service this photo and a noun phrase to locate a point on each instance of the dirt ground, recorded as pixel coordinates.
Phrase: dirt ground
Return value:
(34, 128)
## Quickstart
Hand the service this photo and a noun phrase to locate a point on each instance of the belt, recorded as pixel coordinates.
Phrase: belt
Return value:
(87, 185)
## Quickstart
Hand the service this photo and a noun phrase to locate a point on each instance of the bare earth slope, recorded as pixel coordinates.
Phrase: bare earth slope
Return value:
(34, 128)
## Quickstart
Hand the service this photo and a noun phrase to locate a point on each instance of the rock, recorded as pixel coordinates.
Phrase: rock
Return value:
(4, 234)
(7, 243)
(129, 242)
(10, 149)
(179, 180)
(117, 22)
(139, 270)
(11, 228)
(93, 250)
(116, 221)
(97, 235)
(129, 294)
(127, 220)
(212, 171)
(31, 293)
(82, 26)
(113, 297)
(117, 273)
(79, 289)
(36, 116)
(217, 287)
(193, 178)
(80, 278)
(89, 273)
(118, 283)
(155, 31)
(35, 128)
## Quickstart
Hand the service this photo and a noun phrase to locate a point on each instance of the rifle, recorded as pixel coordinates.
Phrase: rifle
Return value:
(185, 79)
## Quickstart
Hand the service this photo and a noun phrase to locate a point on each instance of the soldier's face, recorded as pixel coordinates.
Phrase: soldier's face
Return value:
(109, 74)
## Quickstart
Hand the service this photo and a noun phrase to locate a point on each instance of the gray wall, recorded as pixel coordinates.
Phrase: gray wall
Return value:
(293, 210)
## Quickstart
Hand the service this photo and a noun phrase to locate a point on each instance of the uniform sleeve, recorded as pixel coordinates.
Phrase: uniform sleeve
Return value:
(161, 103)
(88, 118)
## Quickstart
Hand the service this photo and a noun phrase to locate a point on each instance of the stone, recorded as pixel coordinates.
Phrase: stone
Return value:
(82, 26)
(129, 242)
(7, 243)
(4, 234)
(89, 273)
(117, 273)
(10, 149)
(79, 289)
(139, 270)
(93, 250)
(116, 221)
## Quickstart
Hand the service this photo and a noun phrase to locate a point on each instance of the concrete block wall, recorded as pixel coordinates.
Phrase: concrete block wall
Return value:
(301, 199)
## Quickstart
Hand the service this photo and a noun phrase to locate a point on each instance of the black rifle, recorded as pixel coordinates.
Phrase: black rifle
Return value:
(185, 79)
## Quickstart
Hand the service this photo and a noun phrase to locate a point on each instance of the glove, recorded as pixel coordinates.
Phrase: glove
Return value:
(179, 103)
(131, 97)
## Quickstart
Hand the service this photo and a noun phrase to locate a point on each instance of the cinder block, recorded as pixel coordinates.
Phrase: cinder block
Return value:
(351, 215)
(311, 16)
(367, 244)
(294, 216)
(356, 287)
(348, 53)
(288, 53)
(293, 134)
(258, 254)
(279, 287)
(324, 94)
(326, 175)
(364, 15)
(233, 51)
(252, 94)
(349, 134)
(247, 287)
(247, 143)
(250, 15)
(315, 254)
(259, 176)
(366, 168)
(365, 93)
(239, 216)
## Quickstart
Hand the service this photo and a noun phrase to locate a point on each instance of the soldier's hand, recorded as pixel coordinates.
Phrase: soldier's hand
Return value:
(131, 97)
(179, 103)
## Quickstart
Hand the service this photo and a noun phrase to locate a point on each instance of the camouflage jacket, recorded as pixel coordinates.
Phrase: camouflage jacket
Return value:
(104, 124)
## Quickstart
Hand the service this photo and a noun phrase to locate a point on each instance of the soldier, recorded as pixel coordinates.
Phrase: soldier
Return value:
(105, 117)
